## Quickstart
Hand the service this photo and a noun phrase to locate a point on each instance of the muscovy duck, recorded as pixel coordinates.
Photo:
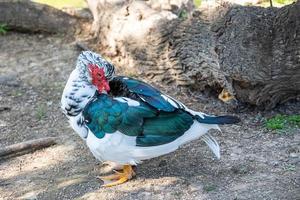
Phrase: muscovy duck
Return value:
(125, 121)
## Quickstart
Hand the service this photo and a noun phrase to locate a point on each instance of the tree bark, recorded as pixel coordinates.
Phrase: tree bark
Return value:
(251, 52)
(259, 49)
(27, 16)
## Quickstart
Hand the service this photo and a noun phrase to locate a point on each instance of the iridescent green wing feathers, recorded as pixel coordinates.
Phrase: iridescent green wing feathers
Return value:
(164, 128)
(146, 93)
(105, 115)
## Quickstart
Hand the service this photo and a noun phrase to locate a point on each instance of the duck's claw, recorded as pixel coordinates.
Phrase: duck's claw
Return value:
(119, 177)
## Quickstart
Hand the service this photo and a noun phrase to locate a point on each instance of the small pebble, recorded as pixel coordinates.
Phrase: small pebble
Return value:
(293, 155)
(275, 163)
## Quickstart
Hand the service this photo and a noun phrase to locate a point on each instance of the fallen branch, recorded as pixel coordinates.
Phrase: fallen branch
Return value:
(27, 146)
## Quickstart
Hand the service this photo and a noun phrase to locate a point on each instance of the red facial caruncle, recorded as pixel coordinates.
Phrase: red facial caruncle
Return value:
(98, 78)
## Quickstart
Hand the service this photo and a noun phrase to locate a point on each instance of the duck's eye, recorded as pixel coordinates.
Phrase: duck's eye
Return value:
(99, 75)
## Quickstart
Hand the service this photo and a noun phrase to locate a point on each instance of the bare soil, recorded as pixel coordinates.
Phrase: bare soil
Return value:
(256, 163)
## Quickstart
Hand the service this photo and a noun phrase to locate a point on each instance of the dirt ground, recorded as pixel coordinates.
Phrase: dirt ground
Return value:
(255, 163)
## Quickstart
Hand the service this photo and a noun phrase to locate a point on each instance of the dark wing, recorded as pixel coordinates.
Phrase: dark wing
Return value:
(105, 115)
(122, 86)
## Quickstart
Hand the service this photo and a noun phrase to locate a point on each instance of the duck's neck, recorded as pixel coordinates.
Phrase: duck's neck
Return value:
(76, 94)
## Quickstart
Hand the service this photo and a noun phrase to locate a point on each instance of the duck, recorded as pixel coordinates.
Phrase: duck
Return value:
(125, 121)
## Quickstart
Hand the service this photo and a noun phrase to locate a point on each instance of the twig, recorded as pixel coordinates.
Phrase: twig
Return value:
(27, 146)
(5, 108)
(271, 3)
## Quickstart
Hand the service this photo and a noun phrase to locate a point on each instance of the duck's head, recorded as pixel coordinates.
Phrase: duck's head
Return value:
(95, 69)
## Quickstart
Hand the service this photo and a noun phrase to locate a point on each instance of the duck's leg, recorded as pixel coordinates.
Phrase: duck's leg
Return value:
(119, 177)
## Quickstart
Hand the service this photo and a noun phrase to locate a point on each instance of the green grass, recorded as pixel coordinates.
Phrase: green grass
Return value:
(290, 167)
(41, 112)
(209, 188)
(16, 93)
(63, 3)
(284, 2)
(3, 29)
(280, 122)
(183, 14)
(197, 3)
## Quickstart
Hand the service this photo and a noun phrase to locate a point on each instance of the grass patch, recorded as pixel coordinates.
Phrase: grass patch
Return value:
(197, 3)
(290, 168)
(3, 29)
(61, 4)
(41, 112)
(209, 188)
(16, 93)
(183, 14)
(280, 122)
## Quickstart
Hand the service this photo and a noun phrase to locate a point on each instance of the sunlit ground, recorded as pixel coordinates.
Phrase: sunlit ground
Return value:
(262, 3)
(276, 3)
(81, 3)
(63, 3)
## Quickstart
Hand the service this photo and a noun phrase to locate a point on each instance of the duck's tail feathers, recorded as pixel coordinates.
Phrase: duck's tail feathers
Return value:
(226, 119)
(212, 144)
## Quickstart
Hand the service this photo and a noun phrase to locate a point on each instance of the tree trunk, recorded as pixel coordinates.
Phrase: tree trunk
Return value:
(251, 52)
(259, 49)
(27, 16)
